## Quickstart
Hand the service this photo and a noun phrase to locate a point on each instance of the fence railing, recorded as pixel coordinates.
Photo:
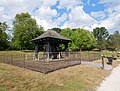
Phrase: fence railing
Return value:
(47, 62)
(82, 56)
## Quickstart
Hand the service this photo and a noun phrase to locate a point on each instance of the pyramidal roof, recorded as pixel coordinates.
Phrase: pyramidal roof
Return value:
(51, 34)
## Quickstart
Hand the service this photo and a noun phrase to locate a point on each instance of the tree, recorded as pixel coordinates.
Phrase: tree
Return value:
(81, 39)
(101, 34)
(67, 32)
(25, 29)
(57, 30)
(114, 41)
(3, 36)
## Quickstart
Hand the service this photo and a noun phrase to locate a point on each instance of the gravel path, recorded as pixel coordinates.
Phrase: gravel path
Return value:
(106, 67)
(112, 82)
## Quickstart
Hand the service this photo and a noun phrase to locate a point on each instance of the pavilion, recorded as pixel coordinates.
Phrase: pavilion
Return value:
(51, 39)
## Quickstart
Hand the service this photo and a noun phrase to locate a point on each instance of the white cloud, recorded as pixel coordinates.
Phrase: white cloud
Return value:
(69, 4)
(87, 28)
(61, 19)
(109, 10)
(44, 17)
(78, 18)
(109, 1)
(48, 3)
(98, 15)
(113, 10)
(45, 13)
(12, 7)
(111, 23)
(113, 4)
(1, 10)
(88, 2)
(8, 9)
(93, 4)
(44, 23)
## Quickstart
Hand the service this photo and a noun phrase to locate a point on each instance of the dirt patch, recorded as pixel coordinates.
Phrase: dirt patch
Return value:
(44, 66)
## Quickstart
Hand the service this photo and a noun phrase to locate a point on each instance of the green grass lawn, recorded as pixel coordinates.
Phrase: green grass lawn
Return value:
(109, 53)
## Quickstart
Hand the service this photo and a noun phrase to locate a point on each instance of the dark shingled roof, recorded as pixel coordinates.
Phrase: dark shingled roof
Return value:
(51, 34)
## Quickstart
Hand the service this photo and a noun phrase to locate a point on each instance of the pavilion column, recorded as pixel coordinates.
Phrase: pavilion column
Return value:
(66, 49)
(48, 50)
(36, 51)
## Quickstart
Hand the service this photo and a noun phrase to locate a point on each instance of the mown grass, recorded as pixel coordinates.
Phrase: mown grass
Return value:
(76, 78)
(109, 53)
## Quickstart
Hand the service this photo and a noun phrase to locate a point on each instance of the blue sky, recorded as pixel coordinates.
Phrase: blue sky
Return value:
(87, 14)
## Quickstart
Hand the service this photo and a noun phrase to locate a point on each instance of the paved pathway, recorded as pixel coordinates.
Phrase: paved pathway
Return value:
(106, 67)
(112, 82)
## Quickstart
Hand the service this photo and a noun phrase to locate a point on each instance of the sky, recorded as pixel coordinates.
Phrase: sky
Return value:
(86, 14)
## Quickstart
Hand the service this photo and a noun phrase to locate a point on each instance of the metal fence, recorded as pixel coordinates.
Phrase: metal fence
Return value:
(57, 60)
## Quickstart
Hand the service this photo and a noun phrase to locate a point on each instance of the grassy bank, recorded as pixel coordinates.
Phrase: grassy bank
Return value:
(76, 78)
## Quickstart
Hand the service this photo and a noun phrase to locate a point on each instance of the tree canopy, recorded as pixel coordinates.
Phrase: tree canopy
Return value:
(25, 29)
(58, 30)
(114, 41)
(3, 36)
(81, 39)
(101, 34)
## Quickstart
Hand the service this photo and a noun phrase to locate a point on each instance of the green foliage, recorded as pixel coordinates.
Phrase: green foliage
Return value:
(101, 34)
(67, 32)
(58, 30)
(84, 40)
(114, 41)
(25, 29)
(4, 44)
(81, 39)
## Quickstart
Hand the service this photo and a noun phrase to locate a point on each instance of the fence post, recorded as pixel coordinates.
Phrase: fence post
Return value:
(33, 56)
(4, 59)
(38, 56)
(89, 56)
(102, 62)
(25, 56)
(76, 55)
(48, 56)
(80, 56)
(11, 59)
(69, 54)
(59, 55)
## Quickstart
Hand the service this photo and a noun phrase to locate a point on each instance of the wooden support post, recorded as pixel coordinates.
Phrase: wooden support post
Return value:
(59, 55)
(66, 50)
(36, 51)
(48, 55)
(38, 56)
(48, 51)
